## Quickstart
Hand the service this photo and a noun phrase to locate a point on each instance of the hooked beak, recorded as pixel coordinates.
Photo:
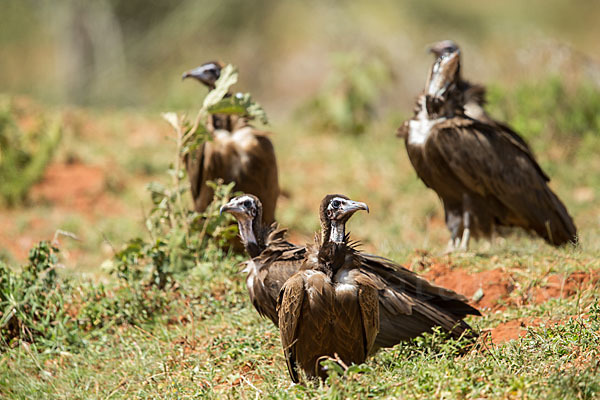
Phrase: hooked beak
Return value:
(349, 207)
(200, 73)
(230, 208)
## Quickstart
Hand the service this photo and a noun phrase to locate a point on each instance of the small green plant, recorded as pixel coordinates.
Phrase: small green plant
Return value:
(348, 99)
(32, 302)
(24, 154)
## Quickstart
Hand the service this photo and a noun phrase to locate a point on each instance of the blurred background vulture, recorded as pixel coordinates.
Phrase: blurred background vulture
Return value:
(273, 260)
(483, 172)
(237, 153)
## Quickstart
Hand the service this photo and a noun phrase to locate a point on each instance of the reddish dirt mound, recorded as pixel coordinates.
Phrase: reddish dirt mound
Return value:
(559, 286)
(75, 186)
(495, 284)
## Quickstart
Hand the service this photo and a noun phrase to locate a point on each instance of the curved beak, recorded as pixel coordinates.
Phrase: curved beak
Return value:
(200, 73)
(230, 208)
(349, 207)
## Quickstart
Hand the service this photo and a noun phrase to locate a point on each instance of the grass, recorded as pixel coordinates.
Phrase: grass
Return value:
(201, 338)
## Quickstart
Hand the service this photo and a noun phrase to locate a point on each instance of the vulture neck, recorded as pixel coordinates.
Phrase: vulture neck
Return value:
(332, 253)
(252, 233)
(337, 233)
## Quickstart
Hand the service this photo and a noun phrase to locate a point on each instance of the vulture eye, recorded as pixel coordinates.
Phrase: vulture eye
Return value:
(247, 204)
(335, 203)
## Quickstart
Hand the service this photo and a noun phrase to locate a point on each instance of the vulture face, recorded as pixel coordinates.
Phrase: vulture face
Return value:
(245, 209)
(444, 47)
(207, 73)
(339, 208)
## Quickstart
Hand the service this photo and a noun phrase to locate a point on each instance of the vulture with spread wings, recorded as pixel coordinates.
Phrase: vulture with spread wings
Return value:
(483, 172)
(237, 153)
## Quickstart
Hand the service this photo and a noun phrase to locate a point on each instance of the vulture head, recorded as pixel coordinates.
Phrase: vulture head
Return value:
(334, 212)
(247, 210)
(444, 47)
(207, 73)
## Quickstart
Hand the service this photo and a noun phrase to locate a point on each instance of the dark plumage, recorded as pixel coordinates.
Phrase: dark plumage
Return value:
(485, 175)
(237, 153)
(272, 258)
(330, 307)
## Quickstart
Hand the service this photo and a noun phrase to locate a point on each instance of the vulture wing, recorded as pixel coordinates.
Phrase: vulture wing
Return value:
(489, 161)
(273, 267)
(289, 307)
(368, 301)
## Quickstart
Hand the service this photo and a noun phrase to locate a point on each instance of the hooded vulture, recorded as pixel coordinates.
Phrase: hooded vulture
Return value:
(408, 304)
(272, 259)
(237, 153)
(485, 174)
(329, 308)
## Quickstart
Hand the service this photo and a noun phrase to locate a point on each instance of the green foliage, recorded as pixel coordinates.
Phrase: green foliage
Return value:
(548, 110)
(180, 238)
(348, 99)
(32, 302)
(24, 154)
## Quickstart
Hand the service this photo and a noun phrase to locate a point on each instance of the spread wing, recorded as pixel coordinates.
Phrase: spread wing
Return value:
(490, 162)
(410, 305)
(289, 308)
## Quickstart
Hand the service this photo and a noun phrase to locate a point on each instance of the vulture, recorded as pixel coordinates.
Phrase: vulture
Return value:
(273, 260)
(325, 308)
(237, 153)
(329, 308)
(408, 304)
(483, 172)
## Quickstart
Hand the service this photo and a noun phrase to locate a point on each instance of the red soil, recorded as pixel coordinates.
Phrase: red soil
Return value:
(495, 284)
(78, 187)
(559, 286)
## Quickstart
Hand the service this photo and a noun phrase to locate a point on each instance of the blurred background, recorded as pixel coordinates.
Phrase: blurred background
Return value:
(84, 82)
(116, 53)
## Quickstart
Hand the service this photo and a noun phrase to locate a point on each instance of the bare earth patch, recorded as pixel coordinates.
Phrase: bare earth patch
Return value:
(490, 286)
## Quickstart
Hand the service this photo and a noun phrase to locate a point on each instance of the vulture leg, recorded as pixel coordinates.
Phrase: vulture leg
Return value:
(454, 222)
(466, 219)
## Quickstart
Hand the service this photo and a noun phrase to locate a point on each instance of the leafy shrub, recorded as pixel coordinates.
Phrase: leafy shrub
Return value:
(348, 99)
(24, 154)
